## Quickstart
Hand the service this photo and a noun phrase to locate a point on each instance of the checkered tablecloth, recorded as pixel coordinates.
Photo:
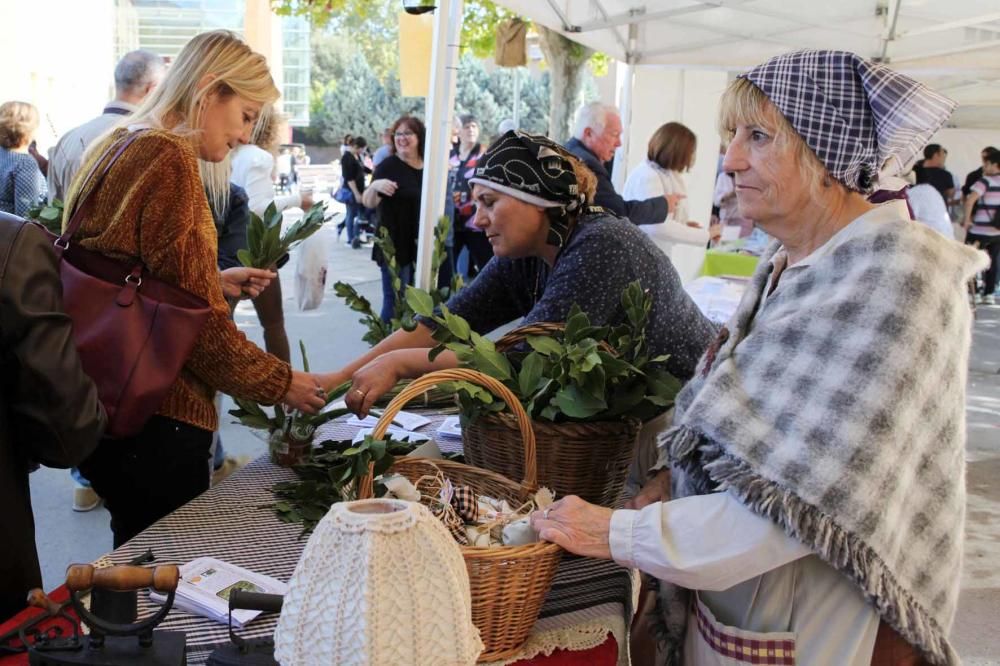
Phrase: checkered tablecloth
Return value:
(589, 599)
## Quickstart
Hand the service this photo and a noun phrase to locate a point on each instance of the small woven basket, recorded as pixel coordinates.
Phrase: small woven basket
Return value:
(588, 459)
(508, 583)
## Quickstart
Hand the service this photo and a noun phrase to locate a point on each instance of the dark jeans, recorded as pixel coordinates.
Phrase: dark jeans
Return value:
(447, 268)
(388, 294)
(480, 250)
(352, 220)
(991, 245)
(145, 477)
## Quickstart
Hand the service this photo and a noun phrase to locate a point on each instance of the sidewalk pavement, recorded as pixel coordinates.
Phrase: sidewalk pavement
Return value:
(333, 337)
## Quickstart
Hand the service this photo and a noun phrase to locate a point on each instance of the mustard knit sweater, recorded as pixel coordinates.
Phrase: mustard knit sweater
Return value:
(152, 207)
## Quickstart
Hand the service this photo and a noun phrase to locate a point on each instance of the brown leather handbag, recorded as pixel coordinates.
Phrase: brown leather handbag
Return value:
(133, 331)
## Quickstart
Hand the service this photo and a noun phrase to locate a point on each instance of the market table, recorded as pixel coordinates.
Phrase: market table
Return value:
(721, 262)
(584, 619)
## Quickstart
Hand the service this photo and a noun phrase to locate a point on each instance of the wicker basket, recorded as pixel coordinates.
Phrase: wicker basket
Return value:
(587, 459)
(508, 583)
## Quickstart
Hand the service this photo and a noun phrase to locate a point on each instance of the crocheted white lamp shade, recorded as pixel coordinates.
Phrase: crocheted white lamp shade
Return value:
(380, 582)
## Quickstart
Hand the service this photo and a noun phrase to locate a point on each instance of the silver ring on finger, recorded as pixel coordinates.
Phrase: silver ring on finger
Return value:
(545, 514)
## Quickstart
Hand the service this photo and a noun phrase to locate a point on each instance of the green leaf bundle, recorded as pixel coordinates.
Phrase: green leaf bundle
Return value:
(579, 373)
(265, 242)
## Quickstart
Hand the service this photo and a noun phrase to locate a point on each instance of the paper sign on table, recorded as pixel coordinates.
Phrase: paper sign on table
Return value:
(450, 427)
(406, 420)
(396, 433)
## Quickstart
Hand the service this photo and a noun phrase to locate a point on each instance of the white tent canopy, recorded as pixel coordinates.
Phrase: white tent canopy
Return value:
(954, 47)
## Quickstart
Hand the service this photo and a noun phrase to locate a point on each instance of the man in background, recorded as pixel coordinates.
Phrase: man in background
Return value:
(596, 134)
(385, 149)
(136, 75)
(931, 170)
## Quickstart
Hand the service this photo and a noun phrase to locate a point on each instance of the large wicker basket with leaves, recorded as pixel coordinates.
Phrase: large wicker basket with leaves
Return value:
(589, 459)
(508, 583)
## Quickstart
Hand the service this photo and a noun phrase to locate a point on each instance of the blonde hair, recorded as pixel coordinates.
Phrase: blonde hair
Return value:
(216, 62)
(743, 103)
(18, 122)
(268, 134)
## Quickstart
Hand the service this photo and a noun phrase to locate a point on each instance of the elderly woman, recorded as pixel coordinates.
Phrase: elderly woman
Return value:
(818, 454)
(22, 184)
(552, 251)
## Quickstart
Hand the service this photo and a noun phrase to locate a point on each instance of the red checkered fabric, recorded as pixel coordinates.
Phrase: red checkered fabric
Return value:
(745, 650)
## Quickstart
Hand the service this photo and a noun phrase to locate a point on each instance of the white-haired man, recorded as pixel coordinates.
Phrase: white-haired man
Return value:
(597, 133)
(136, 74)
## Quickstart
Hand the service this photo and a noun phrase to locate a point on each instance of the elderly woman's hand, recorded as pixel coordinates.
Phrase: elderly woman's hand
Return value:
(656, 489)
(579, 527)
(241, 281)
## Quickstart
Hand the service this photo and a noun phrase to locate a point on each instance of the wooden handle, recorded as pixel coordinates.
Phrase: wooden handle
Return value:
(38, 599)
(163, 578)
(432, 379)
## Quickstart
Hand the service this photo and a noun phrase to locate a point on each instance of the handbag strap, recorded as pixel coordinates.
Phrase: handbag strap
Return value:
(83, 207)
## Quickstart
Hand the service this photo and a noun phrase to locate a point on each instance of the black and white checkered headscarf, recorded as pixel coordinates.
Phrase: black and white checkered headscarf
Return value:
(855, 115)
(532, 168)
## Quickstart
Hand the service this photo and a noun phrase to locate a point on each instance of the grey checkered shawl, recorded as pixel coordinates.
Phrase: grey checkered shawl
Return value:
(836, 409)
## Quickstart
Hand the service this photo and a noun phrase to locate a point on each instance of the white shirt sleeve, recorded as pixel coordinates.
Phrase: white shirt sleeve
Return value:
(260, 187)
(705, 542)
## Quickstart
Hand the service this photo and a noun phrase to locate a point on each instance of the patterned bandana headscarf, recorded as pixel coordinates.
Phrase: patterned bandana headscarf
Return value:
(536, 170)
(854, 114)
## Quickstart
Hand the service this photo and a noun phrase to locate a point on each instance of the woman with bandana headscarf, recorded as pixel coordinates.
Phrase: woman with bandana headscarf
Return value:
(552, 250)
(817, 457)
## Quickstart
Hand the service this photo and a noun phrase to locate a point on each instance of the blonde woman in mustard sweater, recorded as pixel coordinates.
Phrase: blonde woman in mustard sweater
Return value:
(152, 207)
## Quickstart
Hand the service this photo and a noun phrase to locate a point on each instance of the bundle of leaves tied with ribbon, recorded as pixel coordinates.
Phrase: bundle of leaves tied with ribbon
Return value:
(587, 388)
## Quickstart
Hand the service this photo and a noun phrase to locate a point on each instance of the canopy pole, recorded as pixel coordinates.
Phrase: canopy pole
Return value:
(437, 144)
(622, 154)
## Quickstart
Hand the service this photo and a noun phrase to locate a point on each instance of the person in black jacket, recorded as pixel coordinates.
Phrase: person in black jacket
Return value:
(596, 133)
(49, 410)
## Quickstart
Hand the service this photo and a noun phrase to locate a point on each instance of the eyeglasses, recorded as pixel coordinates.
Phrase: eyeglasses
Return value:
(403, 135)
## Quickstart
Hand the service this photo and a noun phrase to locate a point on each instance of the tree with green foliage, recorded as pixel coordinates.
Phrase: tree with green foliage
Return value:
(489, 95)
(349, 98)
(372, 27)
